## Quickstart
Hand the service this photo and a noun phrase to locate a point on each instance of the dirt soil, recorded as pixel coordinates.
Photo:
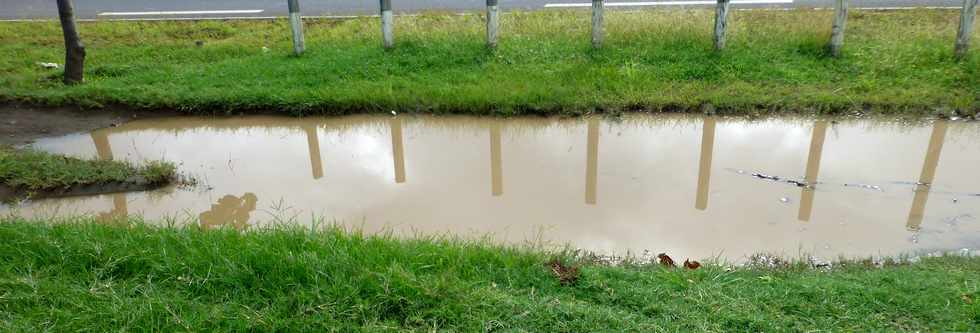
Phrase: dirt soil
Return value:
(24, 124)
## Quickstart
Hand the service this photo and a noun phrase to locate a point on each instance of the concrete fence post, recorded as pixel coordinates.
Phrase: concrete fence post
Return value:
(387, 24)
(721, 23)
(493, 23)
(296, 23)
(837, 31)
(597, 34)
(963, 35)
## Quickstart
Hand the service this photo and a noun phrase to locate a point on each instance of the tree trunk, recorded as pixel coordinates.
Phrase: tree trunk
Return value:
(74, 50)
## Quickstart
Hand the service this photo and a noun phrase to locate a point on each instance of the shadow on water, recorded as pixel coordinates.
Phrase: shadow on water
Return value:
(230, 211)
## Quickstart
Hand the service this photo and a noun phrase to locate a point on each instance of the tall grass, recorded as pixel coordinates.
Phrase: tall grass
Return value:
(78, 275)
(652, 60)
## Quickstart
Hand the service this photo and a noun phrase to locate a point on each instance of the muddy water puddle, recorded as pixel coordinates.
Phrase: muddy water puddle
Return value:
(691, 186)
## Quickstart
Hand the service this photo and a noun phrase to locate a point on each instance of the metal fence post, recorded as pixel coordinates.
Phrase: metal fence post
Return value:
(493, 23)
(597, 34)
(387, 24)
(721, 23)
(837, 31)
(296, 23)
(963, 35)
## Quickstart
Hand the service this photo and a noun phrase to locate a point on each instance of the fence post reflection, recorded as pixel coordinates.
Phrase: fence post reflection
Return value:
(119, 206)
(592, 161)
(496, 167)
(704, 167)
(102, 147)
(313, 144)
(398, 150)
(104, 151)
(119, 209)
(927, 175)
(812, 170)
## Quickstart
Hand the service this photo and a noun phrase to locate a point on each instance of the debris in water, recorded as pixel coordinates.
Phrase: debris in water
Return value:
(567, 275)
(765, 176)
(666, 261)
(955, 220)
(759, 175)
(865, 186)
(764, 260)
(691, 264)
(797, 183)
(818, 263)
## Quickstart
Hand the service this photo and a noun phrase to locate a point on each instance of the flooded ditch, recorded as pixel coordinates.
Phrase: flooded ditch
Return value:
(692, 186)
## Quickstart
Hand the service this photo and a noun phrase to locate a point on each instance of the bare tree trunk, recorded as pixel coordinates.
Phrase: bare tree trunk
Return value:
(74, 50)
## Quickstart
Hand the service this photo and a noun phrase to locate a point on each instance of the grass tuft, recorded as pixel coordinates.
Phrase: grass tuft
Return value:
(35, 171)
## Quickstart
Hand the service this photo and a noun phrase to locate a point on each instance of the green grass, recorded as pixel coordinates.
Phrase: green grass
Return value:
(80, 276)
(894, 61)
(35, 171)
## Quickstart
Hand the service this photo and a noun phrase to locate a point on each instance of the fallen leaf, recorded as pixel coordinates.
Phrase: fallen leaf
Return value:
(666, 261)
(567, 275)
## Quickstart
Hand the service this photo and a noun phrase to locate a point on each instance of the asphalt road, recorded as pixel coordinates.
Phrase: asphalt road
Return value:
(179, 9)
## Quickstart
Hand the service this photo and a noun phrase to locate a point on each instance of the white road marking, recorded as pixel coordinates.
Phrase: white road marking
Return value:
(668, 3)
(186, 12)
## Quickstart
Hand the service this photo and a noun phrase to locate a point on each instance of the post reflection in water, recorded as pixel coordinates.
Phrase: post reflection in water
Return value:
(812, 170)
(704, 167)
(928, 174)
(119, 209)
(496, 167)
(102, 148)
(592, 161)
(398, 150)
(313, 144)
(230, 210)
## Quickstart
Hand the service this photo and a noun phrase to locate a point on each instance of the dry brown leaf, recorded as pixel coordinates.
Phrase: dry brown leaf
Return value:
(666, 261)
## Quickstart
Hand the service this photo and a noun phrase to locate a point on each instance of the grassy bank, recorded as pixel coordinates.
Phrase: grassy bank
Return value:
(85, 276)
(898, 61)
(27, 172)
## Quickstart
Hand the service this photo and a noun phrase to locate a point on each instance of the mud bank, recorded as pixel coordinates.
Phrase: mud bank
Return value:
(23, 124)
(133, 184)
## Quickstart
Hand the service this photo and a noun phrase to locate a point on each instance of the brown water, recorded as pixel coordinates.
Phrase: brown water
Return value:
(676, 184)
